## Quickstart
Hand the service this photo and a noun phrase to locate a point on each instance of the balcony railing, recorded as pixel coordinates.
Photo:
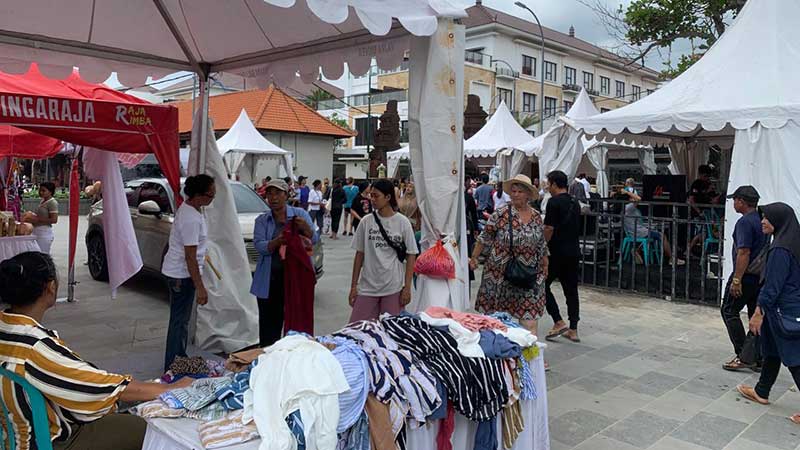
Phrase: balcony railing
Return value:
(571, 88)
(363, 100)
(506, 72)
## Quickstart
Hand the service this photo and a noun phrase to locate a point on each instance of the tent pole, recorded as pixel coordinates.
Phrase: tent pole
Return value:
(204, 121)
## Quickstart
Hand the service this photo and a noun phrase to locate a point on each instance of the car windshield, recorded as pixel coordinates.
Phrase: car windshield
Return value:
(247, 201)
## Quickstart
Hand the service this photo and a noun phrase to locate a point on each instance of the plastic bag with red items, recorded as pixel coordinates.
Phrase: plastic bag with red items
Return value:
(435, 262)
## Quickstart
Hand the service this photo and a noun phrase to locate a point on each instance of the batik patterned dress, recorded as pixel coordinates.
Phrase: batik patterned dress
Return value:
(495, 293)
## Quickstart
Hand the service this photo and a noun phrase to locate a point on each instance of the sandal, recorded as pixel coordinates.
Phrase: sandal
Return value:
(737, 364)
(553, 334)
(750, 394)
(572, 338)
(795, 419)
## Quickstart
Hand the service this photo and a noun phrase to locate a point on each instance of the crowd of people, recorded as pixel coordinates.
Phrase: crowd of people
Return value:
(523, 250)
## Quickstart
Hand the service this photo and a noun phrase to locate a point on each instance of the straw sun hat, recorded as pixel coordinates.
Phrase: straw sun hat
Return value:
(522, 181)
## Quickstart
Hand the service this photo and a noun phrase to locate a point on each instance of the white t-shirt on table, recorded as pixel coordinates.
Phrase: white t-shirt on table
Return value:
(382, 272)
(188, 229)
(500, 201)
(314, 197)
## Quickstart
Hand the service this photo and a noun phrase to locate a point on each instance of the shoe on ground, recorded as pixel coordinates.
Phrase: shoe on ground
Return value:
(736, 364)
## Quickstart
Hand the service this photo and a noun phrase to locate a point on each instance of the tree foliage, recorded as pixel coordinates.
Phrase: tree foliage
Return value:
(316, 96)
(648, 26)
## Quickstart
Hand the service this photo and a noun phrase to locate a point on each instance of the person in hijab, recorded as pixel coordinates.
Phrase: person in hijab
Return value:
(777, 317)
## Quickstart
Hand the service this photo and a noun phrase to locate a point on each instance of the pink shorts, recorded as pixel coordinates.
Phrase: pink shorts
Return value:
(366, 307)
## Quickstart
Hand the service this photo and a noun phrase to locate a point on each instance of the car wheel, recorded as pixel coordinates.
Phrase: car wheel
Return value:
(98, 265)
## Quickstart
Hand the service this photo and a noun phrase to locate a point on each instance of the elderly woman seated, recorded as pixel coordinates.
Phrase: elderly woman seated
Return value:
(636, 225)
(80, 398)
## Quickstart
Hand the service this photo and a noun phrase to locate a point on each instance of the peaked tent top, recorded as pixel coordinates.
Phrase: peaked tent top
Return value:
(244, 138)
(401, 153)
(259, 39)
(500, 132)
(749, 75)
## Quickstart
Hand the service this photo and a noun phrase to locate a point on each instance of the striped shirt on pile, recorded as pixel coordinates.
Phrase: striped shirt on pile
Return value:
(75, 391)
(476, 386)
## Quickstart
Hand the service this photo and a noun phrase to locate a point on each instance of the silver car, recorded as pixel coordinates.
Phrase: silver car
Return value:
(152, 209)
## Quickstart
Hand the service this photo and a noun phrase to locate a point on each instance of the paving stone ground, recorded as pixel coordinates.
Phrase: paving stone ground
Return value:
(646, 375)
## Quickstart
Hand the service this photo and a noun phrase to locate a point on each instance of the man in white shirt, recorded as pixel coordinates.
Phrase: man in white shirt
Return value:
(315, 205)
(587, 187)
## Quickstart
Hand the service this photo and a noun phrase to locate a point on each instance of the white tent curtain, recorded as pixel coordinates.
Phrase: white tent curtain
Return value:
(229, 321)
(687, 158)
(647, 159)
(562, 150)
(767, 160)
(393, 159)
(598, 156)
(511, 162)
(436, 98)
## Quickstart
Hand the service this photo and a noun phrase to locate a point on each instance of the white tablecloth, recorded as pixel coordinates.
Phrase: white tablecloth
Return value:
(181, 434)
(14, 245)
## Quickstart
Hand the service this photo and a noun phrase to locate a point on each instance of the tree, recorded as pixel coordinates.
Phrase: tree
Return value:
(528, 120)
(316, 96)
(336, 120)
(648, 26)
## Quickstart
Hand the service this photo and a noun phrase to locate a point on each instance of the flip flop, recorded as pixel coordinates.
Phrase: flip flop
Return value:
(795, 419)
(750, 394)
(552, 335)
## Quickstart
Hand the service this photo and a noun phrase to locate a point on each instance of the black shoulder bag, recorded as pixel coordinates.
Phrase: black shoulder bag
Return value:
(399, 248)
(518, 274)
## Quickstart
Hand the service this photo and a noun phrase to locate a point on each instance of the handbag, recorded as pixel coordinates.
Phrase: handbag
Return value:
(756, 266)
(751, 350)
(398, 247)
(516, 273)
(787, 325)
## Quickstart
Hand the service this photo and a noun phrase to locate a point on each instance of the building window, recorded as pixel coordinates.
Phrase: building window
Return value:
(567, 105)
(604, 110)
(505, 95)
(620, 89)
(588, 81)
(474, 56)
(636, 91)
(528, 102)
(570, 76)
(605, 85)
(550, 69)
(550, 106)
(364, 132)
(528, 65)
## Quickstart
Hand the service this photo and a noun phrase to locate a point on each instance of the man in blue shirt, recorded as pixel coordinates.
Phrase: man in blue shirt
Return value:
(743, 286)
(483, 195)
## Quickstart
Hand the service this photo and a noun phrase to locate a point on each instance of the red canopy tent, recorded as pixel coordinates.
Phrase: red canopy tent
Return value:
(37, 112)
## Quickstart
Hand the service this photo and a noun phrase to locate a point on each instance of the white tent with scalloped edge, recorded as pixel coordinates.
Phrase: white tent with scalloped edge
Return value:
(243, 147)
(501, 132)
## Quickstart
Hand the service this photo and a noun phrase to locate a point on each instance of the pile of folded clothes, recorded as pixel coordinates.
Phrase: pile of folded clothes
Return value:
(366, 385)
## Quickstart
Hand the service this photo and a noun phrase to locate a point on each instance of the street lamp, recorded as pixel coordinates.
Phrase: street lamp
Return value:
(541, 73)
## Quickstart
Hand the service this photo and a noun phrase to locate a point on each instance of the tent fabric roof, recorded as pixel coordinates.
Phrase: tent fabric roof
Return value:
(500, 132)
(270, 109)
(244, 138)
(749, 75)
(260, 39)
(401, 153)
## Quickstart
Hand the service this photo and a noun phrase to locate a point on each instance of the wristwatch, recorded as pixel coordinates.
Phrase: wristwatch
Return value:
(736, 281)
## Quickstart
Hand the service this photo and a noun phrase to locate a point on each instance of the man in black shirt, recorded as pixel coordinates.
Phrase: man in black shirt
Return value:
(561, 229)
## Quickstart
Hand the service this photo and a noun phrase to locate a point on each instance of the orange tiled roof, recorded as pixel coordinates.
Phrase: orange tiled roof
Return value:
(269, 109)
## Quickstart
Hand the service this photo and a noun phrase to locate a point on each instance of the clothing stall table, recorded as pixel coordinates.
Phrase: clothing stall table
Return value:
(182, 434)
(12, 246)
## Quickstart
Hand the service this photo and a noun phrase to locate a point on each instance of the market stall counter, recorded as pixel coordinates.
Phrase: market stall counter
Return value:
(408, 381)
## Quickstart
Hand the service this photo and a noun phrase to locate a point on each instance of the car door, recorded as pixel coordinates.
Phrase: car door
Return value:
(152, 232)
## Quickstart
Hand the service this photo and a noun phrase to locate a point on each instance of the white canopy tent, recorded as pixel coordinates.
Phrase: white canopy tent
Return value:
(268, 41)
(243, 145)
(393, 159)
(562, 148)
(743, 91)
(500, 132)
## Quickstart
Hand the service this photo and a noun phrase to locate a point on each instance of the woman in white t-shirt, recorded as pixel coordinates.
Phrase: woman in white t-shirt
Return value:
(381, 282)
(315, 208)
(183, 263)
(500, 198)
